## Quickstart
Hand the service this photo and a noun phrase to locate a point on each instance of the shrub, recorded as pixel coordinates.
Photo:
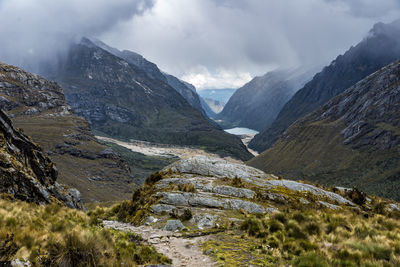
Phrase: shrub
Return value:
(299, 217)
(74, 251)
(237, 182)
(345, 256)
(313, 228)
(187, 215)
(379, 207)
(187, 188)
(280, 217)
(251, 225)
(8, 248)
(356, 196)
(274, 226)
(310, 259)
(154, 178)
(294, 231)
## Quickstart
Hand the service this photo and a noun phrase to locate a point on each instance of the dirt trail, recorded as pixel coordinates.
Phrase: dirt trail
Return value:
(182, 251)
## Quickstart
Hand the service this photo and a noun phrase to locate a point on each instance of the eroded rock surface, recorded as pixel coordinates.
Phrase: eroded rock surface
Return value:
(210, 191)
(26, 173)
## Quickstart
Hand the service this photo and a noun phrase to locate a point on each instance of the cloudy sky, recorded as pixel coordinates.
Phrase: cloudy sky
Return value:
(210, 43)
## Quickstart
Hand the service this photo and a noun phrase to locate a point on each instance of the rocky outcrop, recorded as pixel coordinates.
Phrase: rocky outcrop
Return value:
(380, 48)
(353, 140)
(211, 190)
(207, 166)
(38, 106)
(26, 173)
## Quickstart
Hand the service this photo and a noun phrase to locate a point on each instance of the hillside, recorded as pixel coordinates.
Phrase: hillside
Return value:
(380, 48)
(353, 140)
(122, 101)
(203, 211)
(257, 103)
(38, 107)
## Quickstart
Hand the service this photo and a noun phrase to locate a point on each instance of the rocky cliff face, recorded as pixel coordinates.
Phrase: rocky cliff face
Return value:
(26, 172)
(187, 91)
(122, 101)
(353, 140)
(257, 103)
(38, 107)
(380, 48)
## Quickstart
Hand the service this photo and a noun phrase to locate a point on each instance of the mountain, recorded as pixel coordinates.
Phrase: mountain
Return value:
(257, 103)
(26, 172)
(221, 95)
(380, 48)
(38, 107)
(120, 100)
(353, 140)
(186, 90)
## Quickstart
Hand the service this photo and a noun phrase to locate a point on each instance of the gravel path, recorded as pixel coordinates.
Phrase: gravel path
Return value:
(182, 251)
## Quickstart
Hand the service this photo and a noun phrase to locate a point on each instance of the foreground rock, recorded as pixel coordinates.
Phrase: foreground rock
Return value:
(26, 173)
(204, 192)
(240, 216)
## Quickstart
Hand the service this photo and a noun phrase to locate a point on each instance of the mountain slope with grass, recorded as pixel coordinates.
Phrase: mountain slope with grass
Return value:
(122, 101)
(380, 48)
(257, 103)
(38, 107)
(353, 140)
(241, 216)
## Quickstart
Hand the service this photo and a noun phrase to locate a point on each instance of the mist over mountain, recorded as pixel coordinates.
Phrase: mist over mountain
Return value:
(221, 95)
(379, 48)
(257, 103)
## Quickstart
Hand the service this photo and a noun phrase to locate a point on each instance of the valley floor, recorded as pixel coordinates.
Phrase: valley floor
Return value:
(160, 150)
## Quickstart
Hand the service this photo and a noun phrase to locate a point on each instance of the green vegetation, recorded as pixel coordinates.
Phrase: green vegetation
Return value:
(53, 235)
(317, 154)
(309, 238)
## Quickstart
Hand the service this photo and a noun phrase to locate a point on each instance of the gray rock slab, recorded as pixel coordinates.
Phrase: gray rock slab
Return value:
(173, 225)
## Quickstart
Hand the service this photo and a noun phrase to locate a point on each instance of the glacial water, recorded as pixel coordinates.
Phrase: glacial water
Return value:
(241, 131)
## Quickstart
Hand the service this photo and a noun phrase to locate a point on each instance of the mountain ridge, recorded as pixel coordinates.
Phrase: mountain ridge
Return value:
(352, 140)
(379, 48)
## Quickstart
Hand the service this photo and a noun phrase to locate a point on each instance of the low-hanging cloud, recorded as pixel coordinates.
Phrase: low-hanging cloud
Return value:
(211, 43)
(252, 36)
(36, 30)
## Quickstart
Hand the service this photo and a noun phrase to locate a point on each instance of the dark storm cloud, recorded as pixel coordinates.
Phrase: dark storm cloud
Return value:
(222, 43)
(211, 43)
(33, 30)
